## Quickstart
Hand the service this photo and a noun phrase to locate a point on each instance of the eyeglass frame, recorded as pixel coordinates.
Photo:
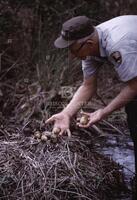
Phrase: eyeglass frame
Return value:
(77, 50)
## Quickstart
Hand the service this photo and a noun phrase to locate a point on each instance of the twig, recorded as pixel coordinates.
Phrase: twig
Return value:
(98, 130)
(112, 126)
(11, 67)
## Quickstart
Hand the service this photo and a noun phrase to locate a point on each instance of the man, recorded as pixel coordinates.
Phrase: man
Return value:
(115, 40)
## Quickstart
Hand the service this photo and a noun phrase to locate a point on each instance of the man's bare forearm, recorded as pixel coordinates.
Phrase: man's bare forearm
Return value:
(126, 95)
(82, 95)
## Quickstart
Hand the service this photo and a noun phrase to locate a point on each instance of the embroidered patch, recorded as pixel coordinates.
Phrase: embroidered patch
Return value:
(116, 57)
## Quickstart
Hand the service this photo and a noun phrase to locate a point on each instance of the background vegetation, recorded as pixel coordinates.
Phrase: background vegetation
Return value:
(27, 33)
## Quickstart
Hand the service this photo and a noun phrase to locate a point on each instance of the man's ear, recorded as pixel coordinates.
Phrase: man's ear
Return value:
(90, 41)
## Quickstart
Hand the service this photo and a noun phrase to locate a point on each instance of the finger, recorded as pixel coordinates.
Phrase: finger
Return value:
(61, 132)
(78, 119)
(51, 119)
(69, 133)
(84, 126)
(80, 125)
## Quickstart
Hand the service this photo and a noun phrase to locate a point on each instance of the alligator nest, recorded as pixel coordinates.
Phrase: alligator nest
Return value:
(32, 169)
(69, 169)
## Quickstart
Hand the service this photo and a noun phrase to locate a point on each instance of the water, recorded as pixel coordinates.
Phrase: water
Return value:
(120, 149)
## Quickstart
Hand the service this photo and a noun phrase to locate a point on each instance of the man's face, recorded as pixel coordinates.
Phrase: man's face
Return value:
(85, 47)
(79, 50)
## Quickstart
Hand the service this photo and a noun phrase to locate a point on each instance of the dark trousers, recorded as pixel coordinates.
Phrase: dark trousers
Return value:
(131, 110)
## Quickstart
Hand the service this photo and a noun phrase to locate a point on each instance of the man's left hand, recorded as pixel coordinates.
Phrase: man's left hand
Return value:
(93, 118)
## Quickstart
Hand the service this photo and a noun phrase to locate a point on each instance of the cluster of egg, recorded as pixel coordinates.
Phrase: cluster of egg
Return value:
(47, 135)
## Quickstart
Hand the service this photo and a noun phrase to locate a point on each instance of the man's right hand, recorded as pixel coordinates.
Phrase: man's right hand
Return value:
(62, 121)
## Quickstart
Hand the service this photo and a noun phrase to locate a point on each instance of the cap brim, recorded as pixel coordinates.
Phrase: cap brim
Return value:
(61, 43)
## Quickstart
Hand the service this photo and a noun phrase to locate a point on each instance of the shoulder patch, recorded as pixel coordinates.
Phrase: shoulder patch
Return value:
(116, 57)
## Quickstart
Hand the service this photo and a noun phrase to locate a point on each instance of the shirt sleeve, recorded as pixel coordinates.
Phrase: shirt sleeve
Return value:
(127, 68)
(89, 67)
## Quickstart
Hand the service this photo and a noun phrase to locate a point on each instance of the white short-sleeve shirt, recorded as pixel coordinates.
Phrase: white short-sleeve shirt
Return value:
(116, 35)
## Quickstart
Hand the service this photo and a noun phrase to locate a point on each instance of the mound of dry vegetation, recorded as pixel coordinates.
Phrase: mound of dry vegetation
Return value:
(32, 169)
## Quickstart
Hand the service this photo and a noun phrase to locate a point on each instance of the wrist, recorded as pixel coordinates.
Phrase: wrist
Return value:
(105, 112)
(65, 112)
